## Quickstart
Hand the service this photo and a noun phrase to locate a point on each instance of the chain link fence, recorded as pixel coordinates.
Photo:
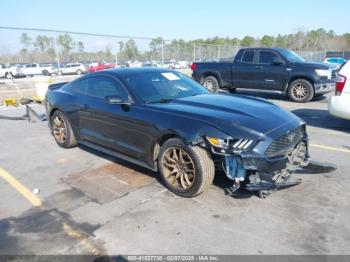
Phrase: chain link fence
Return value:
(204, 52)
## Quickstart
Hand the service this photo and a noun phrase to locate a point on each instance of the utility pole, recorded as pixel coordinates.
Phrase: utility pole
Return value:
(57, 55)
(194, 52)
(162, 51)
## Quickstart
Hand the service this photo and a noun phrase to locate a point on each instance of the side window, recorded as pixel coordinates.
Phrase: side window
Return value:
(248, 57)
(76, 87)
(267, 57)
(103, 86)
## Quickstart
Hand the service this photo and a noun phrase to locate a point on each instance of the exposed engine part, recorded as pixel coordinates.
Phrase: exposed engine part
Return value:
(234, 168)
(235, 171)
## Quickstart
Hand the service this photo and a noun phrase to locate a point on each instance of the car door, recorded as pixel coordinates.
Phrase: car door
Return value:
(29, 69)
(271, 73)
(65, 69)
(106, 124)
(243, 70)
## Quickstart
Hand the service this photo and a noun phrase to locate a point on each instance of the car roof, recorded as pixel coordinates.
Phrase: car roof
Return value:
(125, 72)
(264, 48)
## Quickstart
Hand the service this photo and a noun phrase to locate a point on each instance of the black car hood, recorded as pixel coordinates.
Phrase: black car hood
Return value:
(313, 65)
(232, 113)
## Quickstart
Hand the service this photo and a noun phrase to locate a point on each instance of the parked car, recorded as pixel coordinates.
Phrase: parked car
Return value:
(135, 64)
(181, 65)
(73, 68)
(339, 105)
(142, 115)
(94, 67)
(167, 64)
(10, 71)
(148, 64)
(336, 62)
(39, 69)
(274, 69)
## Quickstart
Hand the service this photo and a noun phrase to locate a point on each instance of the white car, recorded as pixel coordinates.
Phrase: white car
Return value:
(72, 68)
(38, 69)
(181, 65)
(9, 72)
(339, 105)
(166, 64)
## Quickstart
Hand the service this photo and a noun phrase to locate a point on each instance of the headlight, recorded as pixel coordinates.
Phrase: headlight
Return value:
(324, 72)
(230, 144)
(218, 142)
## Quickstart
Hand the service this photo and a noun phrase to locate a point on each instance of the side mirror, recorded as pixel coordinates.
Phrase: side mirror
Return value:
(116, 100)
(278, 61)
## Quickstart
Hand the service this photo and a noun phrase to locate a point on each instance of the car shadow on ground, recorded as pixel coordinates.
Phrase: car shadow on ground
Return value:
(142, 170)
(322, 119)
(220, 179)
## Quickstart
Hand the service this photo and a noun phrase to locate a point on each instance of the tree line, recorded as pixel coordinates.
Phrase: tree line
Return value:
(43, 48)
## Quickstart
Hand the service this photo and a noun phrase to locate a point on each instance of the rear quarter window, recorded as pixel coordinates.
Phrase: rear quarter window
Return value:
(76, 87)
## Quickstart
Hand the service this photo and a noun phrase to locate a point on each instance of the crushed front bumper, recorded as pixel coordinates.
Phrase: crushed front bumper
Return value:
(263, 173)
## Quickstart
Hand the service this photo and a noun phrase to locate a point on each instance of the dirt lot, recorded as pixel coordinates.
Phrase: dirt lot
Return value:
(90, 203)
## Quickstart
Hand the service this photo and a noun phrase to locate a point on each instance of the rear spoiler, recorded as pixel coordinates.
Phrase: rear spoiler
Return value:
(56, 86)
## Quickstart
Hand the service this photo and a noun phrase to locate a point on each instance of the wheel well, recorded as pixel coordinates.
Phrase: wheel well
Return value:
(160, 142)
(52, 112)
(206, 74)
(299, 77)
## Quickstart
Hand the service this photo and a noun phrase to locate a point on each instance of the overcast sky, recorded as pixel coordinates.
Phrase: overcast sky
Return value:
(187, 19)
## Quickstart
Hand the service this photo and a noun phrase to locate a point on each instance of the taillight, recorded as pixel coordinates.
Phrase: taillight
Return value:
(193, 66)
(341, 80)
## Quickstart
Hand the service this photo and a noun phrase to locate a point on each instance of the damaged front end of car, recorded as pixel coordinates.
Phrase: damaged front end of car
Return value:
(262, 165)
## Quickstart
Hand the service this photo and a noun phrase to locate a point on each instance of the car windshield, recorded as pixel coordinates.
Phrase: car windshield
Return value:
(161, 87)
(291, 56)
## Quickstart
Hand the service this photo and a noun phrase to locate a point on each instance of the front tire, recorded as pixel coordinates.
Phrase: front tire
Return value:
(8, 75)
(45, 73)
(79, 72)
(62, 130)
(211, 83)
(301, 91)
(186, 170)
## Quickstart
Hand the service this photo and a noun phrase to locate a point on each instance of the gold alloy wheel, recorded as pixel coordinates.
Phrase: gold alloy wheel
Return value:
(59, 129)
(178, 168)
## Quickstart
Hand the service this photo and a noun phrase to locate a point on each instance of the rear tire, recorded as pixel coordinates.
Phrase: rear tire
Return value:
(211, 83)
(45, 73)
(186, 170)
(62, 130)
(79, 72)
(301, 91)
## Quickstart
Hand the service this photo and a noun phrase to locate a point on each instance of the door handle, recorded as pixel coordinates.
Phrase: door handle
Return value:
(259, 67)
(84, 107)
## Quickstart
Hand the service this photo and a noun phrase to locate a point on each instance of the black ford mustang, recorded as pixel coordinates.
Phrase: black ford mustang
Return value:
(165, 121)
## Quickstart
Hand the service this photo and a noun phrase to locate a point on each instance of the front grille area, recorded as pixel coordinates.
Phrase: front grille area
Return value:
(334, 74)
(285, 142)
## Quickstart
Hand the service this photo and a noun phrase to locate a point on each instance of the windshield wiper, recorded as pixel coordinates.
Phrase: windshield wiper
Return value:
(164, 100)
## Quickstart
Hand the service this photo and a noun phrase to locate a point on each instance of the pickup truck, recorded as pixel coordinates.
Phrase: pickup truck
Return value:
(9, 72)
(275, 69)
(38, 69)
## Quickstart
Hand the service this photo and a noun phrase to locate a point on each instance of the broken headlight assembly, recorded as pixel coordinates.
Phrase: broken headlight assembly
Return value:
(229, 146)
